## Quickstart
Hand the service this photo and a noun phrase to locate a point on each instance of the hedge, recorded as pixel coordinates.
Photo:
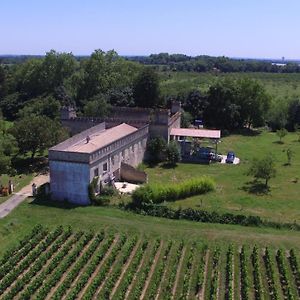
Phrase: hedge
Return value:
(208, 217)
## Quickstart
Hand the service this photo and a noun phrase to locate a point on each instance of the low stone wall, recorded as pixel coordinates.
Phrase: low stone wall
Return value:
(130, 174)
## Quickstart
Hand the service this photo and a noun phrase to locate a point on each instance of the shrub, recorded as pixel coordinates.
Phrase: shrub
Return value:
(263, 168)
(207, 217)
(173, 153)
(108, 191)
(101, 200)
(104, 197)
(91, 190)
(157, 193)
(281, 134)
(156, 149)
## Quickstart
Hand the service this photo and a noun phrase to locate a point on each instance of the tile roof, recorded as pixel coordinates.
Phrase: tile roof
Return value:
(101, 139)
(198, 133)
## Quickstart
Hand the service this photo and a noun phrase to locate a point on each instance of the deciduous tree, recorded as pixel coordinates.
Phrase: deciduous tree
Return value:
(172, 153)
(263, 168)
(37, 133)
(281, 133)
(146, 91)
(97, 107)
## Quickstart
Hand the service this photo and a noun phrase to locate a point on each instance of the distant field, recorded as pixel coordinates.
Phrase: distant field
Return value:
(281, 204)
(67, 264)
(278, 85)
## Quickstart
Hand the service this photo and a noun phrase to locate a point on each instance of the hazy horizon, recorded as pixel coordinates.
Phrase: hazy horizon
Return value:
(257, 30)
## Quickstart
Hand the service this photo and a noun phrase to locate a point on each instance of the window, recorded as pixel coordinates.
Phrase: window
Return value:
(96, 172)
(104, 167)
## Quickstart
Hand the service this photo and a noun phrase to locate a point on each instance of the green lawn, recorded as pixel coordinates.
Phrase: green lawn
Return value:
(281, 204)
(22, 219)
(19, 182)
(278, 85)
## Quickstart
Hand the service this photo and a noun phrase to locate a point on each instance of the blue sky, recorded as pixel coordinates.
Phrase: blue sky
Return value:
(236, 28)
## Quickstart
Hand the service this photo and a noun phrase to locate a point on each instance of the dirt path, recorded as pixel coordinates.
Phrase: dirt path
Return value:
(53, 290)
(218, 284)
(125, 267)
(25, 271)
(202, 292)
(108, 273)
(135, 276)
(73, 245)
(17, 198)
(157, 255)
(162, 278)
(178, 272)
(34, 248)
(80, 295)
(44, 267)
(82, 271)
(233, 277)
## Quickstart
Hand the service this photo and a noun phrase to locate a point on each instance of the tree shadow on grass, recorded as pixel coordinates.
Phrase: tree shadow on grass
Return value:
(247, 132)
(168, 166)
(53, 203)
(26, 165)
(151, 164)
(256, 187)
(278, 142)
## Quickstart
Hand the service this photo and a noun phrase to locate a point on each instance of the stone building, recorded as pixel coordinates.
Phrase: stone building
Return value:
(99, 147)
(160, 121)
(96, 152)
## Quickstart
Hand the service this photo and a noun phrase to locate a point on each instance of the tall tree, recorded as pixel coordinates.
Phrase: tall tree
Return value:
(97, 74)
(196, 103)
(293, 114)
(253, 101)
(263, 168)
(222, 110)
(41, 106)
(37, 133)
(98, 107)
(146, 90)
(8, 147)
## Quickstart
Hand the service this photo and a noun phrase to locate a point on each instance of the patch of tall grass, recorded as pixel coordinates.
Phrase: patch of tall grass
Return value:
(156, 194)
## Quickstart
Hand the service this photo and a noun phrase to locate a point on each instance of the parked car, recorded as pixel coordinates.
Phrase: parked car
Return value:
(205, 153)
(217, 157)
(230, 158)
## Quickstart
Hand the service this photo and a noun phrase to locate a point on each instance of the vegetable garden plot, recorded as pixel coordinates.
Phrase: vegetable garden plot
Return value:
(62, 264)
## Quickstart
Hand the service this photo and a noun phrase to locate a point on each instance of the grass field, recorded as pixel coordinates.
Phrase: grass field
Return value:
(277, 85)
(19, 182)
(235, 193)
(63, 264)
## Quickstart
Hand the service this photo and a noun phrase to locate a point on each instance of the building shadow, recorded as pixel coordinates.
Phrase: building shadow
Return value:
(54, 204)
(256, 187)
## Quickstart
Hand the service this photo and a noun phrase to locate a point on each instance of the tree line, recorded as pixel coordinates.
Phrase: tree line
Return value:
(205, 63)
(33, 91)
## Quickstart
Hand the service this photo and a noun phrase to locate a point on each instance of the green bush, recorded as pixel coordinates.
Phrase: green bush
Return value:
(157, 193)
(101, 200)
(156, 149)
(173, 153)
